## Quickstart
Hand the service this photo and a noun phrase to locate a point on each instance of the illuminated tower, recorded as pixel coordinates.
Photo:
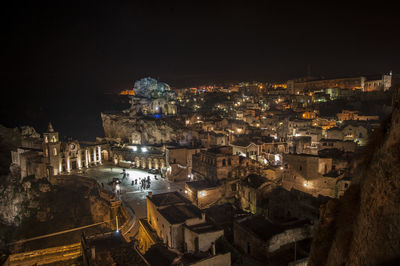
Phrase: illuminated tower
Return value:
(51, 150)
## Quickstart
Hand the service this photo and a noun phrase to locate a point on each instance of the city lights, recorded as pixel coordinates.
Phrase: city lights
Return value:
(275, 141)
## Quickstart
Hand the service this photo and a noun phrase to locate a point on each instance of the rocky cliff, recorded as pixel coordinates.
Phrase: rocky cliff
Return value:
(363, 227)
(32, 206)
(137, 129)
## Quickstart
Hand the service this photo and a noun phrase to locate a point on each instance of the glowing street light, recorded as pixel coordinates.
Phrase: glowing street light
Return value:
(144, 149)
(134, 148)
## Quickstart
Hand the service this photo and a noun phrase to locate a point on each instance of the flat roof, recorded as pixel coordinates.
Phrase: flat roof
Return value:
(201, 184)
(265, 229)
(176, 214)
(168, 198)
(204, 228)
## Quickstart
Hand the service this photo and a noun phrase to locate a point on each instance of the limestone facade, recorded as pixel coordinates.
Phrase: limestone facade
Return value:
(56, 157)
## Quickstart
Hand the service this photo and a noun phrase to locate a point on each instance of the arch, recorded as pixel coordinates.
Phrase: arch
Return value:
(137, 162)
(149, 163)
(105, 155)
(156, 164)
(143, 163)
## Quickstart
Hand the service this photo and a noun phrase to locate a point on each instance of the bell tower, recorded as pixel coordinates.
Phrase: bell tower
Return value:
(51, 150)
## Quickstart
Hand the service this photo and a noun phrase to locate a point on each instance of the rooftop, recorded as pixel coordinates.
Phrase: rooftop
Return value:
(255, 181)
(204, 228)
(176, 214)
(200, 184)
(113, 250)
(168, 198)
(265, 229)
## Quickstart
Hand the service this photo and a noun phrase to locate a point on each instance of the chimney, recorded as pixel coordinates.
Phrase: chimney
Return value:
(93, 250)
(150, 194)
(212, 248)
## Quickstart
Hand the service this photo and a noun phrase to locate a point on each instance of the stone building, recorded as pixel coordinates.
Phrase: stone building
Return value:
(56, 157)
(251, 192)
(262, 239)
(246, 148)
(152, 97)
(280, 205)
(342, 145)
(214, 164)
(204, 193)
(364, 83)
(356, 131)
(179, 161)
(354, 115)
(140, 156)
(174, 221)
(313, 174)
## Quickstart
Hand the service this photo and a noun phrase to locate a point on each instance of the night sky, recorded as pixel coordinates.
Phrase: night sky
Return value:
(59, 57)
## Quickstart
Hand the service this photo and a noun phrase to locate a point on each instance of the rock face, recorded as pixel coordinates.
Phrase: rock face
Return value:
(151, 88)
(363, 227)
(29, 132)
(137, 130)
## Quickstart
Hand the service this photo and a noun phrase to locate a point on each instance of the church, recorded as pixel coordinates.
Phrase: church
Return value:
(48, 156)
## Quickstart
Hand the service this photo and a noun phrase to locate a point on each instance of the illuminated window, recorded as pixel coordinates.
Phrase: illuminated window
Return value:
(55, 151)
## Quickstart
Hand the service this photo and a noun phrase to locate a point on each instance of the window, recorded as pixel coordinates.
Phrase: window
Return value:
(223, 162)
(229, 162)
(55, 151)
(300, 168)
(346, 185)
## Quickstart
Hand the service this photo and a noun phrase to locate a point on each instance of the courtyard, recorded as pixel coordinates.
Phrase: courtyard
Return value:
(133, 195)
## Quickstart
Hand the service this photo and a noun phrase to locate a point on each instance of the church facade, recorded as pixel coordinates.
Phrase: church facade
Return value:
(48, 156)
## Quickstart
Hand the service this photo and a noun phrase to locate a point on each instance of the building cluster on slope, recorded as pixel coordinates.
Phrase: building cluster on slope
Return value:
(258, 159)
(269, 153)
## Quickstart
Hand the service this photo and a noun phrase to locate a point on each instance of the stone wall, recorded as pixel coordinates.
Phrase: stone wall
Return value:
(249, 243)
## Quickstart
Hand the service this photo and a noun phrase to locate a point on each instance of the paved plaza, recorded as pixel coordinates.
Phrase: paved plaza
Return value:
(133, 196)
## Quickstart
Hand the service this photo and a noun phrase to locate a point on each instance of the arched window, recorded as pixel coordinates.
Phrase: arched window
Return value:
(223, 162)
(55, 151)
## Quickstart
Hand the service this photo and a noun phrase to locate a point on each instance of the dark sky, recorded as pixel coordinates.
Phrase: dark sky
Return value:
(62, 54)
